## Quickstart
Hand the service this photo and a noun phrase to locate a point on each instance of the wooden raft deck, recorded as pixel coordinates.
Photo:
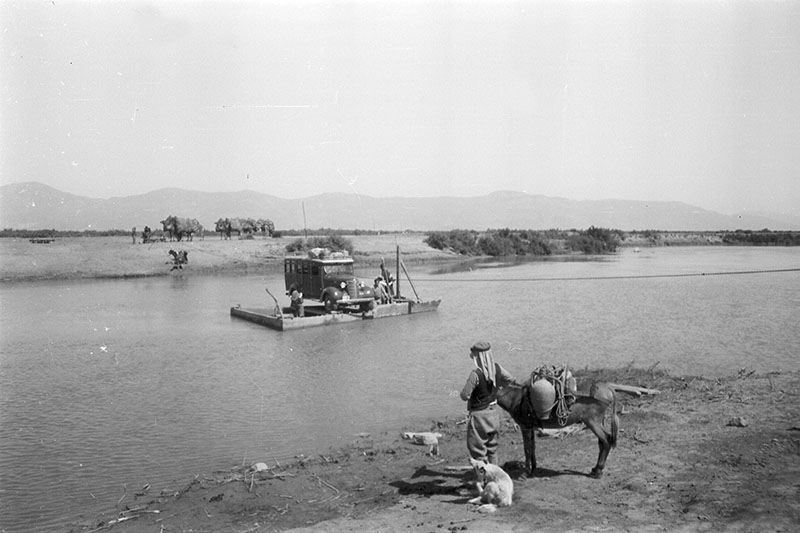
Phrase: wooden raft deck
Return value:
(317, 317)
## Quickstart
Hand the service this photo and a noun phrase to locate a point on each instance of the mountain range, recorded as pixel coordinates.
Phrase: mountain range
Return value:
(33, 205)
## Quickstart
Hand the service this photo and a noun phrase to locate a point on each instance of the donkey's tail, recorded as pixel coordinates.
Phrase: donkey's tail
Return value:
(613, 437)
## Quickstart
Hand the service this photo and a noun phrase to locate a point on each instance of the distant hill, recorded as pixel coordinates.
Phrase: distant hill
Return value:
(33, 205)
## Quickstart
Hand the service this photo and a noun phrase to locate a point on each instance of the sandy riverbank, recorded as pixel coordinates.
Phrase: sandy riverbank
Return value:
(117, 257)
(703, 455)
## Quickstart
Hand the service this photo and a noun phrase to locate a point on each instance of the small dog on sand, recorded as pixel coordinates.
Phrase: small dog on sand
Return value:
(426, 439)
(495, 487)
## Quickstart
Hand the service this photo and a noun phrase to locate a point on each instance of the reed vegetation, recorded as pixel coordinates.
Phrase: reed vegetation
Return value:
(507, 242)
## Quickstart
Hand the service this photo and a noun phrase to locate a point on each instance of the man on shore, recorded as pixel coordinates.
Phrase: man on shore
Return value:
(480, 393)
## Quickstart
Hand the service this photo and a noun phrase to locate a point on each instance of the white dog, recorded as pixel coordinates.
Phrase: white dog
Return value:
(495, 487)
(425, 439)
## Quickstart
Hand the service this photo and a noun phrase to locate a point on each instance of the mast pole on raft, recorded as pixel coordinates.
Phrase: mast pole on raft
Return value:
(397, 276)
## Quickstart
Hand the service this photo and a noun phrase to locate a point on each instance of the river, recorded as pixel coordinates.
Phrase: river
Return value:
(109, 385)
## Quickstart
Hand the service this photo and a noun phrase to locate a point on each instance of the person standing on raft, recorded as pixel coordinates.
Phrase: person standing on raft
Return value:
(480, 393)
(296, 302)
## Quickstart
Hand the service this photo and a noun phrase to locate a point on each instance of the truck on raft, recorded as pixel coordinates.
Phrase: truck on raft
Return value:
(331, 294)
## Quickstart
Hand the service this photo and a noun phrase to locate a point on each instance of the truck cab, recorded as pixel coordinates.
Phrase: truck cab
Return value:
(328, 277)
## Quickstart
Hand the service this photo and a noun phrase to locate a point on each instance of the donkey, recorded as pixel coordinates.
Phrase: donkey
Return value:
(589, 410)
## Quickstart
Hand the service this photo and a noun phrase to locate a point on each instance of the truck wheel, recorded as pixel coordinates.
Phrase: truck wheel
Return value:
(330, 305)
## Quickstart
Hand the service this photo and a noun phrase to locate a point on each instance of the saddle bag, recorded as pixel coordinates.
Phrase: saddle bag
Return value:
(553, 392)
(543, 398)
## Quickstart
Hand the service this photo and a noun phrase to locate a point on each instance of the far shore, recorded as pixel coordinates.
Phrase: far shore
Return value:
(72, 258)
(69, 258)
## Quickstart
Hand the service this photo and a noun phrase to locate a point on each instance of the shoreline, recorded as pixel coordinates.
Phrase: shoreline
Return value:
(721, 464)
(99, 258)
(108, 258)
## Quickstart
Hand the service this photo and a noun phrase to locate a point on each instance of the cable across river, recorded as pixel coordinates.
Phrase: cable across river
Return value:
(631, 276)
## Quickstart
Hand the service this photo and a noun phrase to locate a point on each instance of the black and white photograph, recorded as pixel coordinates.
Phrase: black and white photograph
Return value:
(399, 266)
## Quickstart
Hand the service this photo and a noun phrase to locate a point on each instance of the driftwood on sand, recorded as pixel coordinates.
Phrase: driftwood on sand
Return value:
(632, 390)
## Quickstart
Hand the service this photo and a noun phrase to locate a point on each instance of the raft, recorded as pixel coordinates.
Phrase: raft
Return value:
(316, 315)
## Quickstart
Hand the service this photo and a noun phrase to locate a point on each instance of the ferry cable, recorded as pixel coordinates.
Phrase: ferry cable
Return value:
(634, 276)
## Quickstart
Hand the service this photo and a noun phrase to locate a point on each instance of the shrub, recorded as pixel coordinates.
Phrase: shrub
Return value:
(460, 241)
(501, 242)
(584, 243)
(594, 241)
(496, 245)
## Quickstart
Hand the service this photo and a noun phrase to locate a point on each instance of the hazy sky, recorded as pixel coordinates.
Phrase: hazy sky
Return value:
(690, 101)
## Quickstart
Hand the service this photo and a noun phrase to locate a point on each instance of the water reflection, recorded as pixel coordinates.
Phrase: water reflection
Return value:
(513, 261)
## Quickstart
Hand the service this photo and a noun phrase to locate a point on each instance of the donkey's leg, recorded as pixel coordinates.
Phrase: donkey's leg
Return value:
(604, 446)
(529, 444)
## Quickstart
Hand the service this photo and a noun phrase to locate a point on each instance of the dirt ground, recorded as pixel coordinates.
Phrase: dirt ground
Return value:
(702, 455)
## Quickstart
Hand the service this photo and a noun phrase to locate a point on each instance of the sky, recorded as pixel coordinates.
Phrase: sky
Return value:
(689, 101)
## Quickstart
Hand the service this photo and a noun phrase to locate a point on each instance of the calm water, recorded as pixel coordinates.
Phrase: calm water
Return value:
(106, 386)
